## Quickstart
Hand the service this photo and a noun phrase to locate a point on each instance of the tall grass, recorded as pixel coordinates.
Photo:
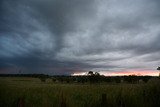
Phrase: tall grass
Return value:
(31, 92)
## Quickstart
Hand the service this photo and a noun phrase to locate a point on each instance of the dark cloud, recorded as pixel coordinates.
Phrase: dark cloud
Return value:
(62, 37)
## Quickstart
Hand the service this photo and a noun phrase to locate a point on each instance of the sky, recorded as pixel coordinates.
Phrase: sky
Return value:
(63, 37)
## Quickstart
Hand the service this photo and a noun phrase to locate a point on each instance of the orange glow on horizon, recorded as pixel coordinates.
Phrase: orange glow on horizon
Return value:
(138, 73)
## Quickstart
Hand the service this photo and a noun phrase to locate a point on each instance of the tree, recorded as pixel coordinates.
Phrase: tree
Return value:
(97, 74)
(90, 73)
(93, 77)
(159, 70)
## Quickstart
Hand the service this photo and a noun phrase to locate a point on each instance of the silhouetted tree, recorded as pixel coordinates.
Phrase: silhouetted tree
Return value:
(90, 73)
(97, 74)
(159, 70)
(93, 77)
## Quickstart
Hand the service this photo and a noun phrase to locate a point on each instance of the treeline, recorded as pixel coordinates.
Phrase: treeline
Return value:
(90, 78)
(99, 79)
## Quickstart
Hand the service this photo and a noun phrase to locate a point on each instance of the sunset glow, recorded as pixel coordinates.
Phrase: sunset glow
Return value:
(122, 73)
(138, 73)
(79, 73)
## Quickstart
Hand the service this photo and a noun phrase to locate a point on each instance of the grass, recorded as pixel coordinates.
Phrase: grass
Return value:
(34, 93)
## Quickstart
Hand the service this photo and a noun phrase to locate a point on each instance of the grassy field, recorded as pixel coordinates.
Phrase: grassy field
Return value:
(31, 92)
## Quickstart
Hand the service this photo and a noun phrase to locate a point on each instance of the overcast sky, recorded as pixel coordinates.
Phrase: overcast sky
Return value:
(68, 36)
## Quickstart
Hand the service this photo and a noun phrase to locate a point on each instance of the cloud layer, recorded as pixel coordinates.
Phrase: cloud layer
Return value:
(63, 37)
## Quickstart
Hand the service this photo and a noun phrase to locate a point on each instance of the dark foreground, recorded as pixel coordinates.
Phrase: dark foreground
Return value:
(31, 92)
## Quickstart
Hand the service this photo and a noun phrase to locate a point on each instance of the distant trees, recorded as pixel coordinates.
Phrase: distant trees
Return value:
(91, 73)
(93, 77)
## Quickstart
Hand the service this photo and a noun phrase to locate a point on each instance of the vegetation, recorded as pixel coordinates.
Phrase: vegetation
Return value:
(68, 91)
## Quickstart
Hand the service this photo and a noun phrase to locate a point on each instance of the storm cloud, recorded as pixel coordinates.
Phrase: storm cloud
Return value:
(67, 36)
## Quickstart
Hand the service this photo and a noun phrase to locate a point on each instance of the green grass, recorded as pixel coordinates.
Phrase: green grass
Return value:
(38, 94)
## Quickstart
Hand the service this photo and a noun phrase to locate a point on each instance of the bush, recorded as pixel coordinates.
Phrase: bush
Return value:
(43, 79)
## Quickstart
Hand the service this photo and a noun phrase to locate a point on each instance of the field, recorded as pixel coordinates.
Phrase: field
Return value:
(31, 92)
